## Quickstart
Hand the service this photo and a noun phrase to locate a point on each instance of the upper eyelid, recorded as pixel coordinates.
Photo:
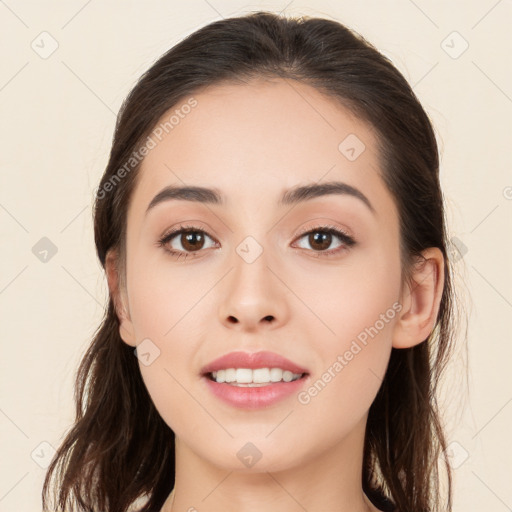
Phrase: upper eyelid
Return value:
(324, 227)
(186, 226)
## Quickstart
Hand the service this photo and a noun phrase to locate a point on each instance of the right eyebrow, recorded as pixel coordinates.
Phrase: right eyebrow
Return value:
(188, 193)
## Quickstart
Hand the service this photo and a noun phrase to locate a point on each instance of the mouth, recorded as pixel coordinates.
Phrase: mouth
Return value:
(253, 380)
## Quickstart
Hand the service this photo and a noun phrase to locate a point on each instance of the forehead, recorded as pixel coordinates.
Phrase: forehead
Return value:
(258, 139)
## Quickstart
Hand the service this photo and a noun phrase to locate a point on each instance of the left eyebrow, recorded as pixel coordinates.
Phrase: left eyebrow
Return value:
(307, 192)
(291, 196)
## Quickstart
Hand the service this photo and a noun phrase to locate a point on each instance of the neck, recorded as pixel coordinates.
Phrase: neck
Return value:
(330, 480)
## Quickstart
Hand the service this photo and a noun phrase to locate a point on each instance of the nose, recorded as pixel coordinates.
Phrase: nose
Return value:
(254, 297)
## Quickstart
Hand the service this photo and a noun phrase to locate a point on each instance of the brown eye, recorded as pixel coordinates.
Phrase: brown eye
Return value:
(321, 238)
(192, 240)
(185, 241)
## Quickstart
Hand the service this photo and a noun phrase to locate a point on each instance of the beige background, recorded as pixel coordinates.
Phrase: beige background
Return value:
(58, 113)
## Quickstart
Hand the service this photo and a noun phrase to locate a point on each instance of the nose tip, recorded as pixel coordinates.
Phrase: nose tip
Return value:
(252, 298)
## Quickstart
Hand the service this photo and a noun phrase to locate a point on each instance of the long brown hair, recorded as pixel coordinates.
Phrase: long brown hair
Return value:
(119, 449)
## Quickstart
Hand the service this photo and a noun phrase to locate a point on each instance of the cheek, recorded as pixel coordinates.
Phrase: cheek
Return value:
(162, 298)
(353, 341)
(347, 301)
(164, 310)
(354, 363)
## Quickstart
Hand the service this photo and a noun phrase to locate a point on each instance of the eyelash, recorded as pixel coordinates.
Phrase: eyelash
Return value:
(346, 239)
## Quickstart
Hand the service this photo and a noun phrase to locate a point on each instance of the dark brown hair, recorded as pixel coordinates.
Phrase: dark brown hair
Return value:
(119, 448)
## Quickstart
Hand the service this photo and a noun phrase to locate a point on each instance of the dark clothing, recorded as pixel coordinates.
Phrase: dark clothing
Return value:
(381, 502)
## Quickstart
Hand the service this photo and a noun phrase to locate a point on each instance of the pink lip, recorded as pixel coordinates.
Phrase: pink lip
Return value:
(262, 359)
(253, 397)
(257, 397)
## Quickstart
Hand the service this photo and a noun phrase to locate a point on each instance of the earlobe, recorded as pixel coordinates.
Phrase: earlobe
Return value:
(119, 299)
(421, 299)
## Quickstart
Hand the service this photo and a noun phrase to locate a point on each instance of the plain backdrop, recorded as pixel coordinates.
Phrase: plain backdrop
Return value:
(65, 69)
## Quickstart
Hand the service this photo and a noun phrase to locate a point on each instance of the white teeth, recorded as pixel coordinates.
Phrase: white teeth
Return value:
(230, 375)
(243, 375)
(276, 374)
(253, 378)
(260, 375)
(287, 376)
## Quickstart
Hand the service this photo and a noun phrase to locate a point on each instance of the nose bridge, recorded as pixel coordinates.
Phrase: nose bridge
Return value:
(253, 294)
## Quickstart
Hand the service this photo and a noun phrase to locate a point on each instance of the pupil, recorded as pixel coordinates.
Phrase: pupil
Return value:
(319, 238)
(193, 239)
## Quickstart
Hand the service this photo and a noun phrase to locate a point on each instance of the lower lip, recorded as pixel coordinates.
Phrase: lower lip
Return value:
(255, 397)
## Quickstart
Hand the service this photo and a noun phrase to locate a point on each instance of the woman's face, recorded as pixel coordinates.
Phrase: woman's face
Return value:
(261, 274)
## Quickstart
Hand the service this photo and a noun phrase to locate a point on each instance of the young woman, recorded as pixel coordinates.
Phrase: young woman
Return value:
(272, 229)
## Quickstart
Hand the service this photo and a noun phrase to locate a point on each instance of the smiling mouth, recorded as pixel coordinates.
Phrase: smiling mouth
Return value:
(258, 377)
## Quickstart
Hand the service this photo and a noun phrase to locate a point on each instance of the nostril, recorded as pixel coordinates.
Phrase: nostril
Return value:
(232, 319)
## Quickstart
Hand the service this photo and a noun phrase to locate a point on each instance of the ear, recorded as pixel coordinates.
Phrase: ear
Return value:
(118, 295)
(420, 299)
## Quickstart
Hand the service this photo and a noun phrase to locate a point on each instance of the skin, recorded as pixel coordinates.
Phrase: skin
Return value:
(252, 142)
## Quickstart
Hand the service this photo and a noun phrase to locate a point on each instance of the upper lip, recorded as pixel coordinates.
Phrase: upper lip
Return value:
(253, 360)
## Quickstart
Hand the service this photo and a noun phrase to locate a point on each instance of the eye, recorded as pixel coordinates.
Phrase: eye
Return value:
(189, 240)
(321, 238)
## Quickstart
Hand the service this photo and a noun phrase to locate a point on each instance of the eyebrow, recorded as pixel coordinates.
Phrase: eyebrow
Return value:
(290, 197)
